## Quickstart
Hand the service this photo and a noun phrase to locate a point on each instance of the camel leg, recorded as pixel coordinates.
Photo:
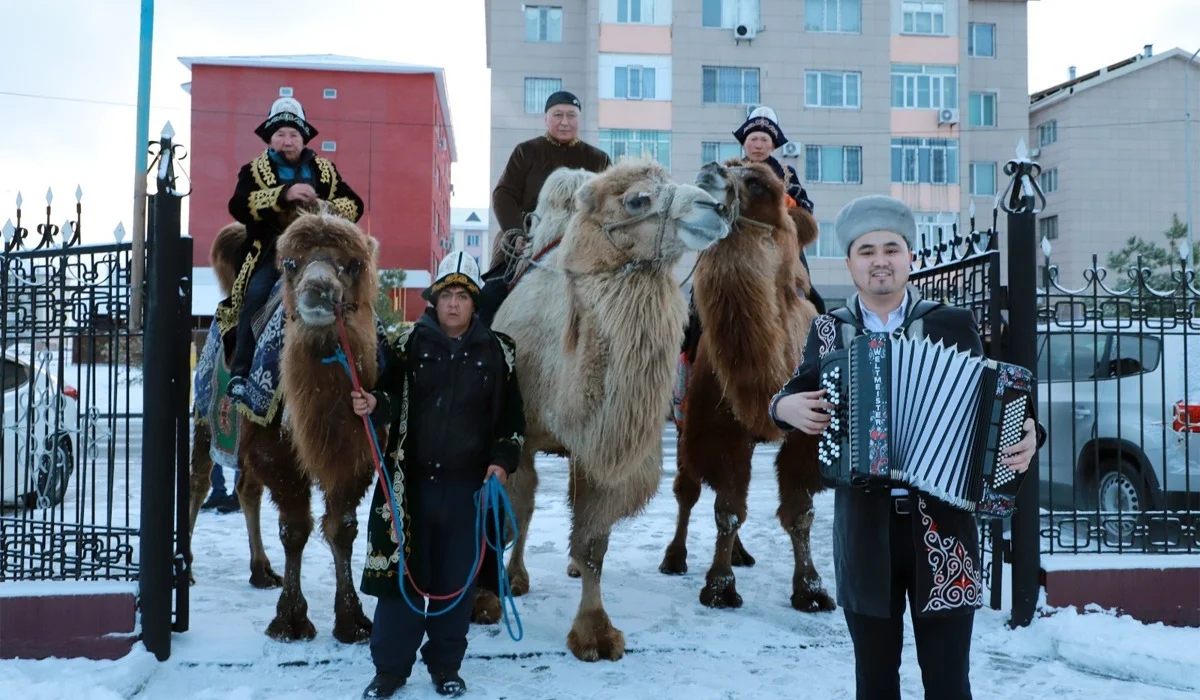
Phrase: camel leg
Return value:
(291, 490)
(687, 489)
(522, 488)
(198, 486)
(340, 527)
(799, 478)
(595, 508)
(250, 490)
(728, 473)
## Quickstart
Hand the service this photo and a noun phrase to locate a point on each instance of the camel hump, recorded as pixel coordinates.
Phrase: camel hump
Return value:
(224, 254)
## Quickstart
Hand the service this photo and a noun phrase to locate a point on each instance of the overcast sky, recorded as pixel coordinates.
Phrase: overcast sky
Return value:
(68, 76)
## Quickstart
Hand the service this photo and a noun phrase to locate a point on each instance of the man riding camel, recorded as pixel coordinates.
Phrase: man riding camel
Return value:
(269, 189)
(531, 162)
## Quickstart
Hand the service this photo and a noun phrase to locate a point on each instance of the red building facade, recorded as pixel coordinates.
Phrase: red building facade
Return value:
(385, 125)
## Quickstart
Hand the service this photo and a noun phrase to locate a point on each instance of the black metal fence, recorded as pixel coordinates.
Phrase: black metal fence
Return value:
(81, 498)
(1118, 367)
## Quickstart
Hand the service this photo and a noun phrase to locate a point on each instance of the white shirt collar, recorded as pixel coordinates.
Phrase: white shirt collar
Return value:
(872, 322)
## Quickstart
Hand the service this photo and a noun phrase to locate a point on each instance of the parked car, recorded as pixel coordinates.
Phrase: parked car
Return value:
(37, 437)
(1122, 409)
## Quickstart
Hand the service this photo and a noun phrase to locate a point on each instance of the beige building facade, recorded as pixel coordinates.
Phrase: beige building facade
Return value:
(1111, 146)
(924, 100)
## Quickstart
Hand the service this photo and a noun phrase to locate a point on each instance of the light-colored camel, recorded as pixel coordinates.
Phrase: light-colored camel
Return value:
(755, 324)
(598, 325)
(328, 269)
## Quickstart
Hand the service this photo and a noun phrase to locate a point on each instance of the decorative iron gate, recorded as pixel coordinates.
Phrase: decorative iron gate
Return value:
(80, 498)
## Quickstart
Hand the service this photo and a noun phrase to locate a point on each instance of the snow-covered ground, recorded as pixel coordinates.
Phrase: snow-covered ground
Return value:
(676, 647)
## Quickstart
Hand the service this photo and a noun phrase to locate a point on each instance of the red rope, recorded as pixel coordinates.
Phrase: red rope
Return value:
(387, 492)
(538, 256)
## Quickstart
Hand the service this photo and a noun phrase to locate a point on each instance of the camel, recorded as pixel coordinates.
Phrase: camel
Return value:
(755, 325)
(328, 269)
(597, 324)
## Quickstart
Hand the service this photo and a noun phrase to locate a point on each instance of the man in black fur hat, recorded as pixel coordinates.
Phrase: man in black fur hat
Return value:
(269, 188)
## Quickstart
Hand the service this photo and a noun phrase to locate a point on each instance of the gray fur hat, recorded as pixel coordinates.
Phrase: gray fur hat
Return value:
(874, 212)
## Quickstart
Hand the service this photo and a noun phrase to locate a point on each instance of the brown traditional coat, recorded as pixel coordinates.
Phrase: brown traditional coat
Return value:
(528, 167)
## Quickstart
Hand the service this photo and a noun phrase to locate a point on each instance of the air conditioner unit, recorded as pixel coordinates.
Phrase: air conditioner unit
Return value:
(747, 24)
(947, 116)
(1035, 153)
(751, 107)
(791, 149)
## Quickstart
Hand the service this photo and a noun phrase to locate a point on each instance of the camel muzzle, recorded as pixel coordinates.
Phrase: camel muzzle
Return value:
(317, 304)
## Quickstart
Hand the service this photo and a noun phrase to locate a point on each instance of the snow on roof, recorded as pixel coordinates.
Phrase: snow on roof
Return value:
(335, 62)
(464, 218)
(1057, 93)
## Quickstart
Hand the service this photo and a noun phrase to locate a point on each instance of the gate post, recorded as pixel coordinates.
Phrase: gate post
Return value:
(156, 578)
(181, 371)
(1021, 205)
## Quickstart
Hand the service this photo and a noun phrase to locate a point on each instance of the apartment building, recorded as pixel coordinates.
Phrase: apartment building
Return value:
(1110, 143)
(924, 100)
(469, 232)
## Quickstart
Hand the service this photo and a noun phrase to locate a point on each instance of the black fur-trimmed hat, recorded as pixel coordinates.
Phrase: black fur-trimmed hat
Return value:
(762, 119)
(286, 112)
(562, 97)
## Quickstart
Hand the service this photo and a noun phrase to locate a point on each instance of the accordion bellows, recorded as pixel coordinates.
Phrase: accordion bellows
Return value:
(917, 414)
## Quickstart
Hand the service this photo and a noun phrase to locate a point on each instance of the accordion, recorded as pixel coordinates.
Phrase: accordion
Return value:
(916, 414)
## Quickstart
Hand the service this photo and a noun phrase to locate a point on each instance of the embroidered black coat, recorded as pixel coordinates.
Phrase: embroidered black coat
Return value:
(946, 539)
(452, 411)
(259, 200)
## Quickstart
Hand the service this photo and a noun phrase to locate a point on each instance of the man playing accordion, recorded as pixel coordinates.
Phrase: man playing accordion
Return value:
(893, 546)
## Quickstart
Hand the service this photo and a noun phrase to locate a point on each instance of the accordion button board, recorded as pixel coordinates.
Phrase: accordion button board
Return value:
(917, 414)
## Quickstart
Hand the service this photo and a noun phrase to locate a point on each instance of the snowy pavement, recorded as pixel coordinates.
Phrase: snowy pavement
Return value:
(676, 647)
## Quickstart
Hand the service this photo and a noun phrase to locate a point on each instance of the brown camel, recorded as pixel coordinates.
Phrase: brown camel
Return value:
(328, 269)
(598, 323)
(754, 325)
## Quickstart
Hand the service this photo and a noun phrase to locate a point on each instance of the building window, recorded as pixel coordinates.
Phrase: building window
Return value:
(543, 24)
(472, 240)
(633, 83)
(285, 92)
(934, 227)
(983, 179)
(924, 87)
(982, 109)
(724, 13)
(832, 89)
(839, 16)
(537, 91)
(924, 17)
(1048, 227)
(724, 85)
(981, 40)
(329, 146)
(928, 161)
(637, 143)
(635, 11)
(1048, 180)
(1047, 133)
(719, 151)
(826, 245)
(835, 164)
(330, 93)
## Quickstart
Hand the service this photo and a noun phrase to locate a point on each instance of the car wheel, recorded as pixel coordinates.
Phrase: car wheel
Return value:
(54, 473)
(1120, 489)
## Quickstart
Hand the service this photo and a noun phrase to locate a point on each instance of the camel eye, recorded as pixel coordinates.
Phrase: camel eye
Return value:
(289, 266)
(757, 188)
(351, 268)
(637, 203)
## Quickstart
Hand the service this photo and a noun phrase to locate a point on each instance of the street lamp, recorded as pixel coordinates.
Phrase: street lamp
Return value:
(1187, 154)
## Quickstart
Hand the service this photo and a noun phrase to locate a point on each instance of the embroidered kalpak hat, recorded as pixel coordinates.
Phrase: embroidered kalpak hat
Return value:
(761, 119)
(457, 268)
(286, 112)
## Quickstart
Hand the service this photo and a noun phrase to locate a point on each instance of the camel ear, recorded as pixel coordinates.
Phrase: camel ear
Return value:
(586, 196)
(571, 327)
(373, 244)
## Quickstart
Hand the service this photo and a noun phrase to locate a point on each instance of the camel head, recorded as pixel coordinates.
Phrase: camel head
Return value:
(328, 266)
(756, 201)
(633, 213)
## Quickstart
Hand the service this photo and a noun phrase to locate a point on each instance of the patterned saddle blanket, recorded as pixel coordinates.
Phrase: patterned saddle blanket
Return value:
(263, 394)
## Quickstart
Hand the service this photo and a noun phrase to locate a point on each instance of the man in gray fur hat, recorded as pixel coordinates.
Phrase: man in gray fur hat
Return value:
(882, 534)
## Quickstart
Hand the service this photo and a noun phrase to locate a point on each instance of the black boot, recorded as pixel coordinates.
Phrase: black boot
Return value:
(384, 685)
(450, 683)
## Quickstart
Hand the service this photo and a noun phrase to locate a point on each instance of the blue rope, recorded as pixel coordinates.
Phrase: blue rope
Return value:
(491, 497)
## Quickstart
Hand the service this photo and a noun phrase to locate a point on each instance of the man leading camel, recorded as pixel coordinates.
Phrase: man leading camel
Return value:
(269, 188)
(452, 400)
(531, 162)
(881, 535)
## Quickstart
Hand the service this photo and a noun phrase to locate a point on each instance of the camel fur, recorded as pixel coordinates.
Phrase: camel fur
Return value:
(755, 324)
(330, 267)
(598, 323)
